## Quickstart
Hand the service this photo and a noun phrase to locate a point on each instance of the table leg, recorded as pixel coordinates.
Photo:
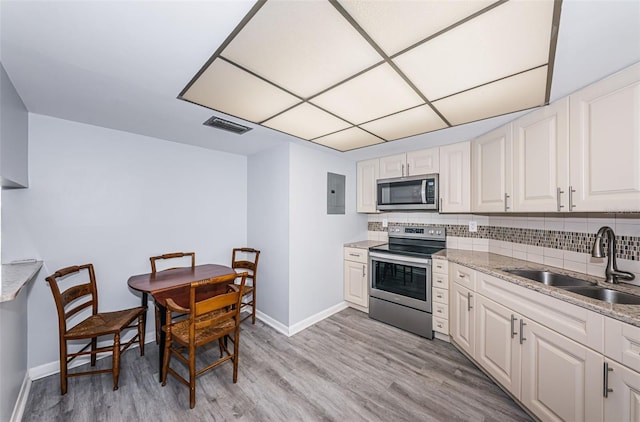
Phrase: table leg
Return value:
(145, 298)
(163, 320)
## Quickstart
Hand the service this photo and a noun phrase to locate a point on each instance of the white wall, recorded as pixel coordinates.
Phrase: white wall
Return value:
(316, 238)
(268, 229)
(114, 199)
(13, 135)
(13, 359)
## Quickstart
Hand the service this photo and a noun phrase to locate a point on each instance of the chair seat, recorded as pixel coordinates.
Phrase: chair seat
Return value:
(247, 290)
(104, 323)
(180, 330)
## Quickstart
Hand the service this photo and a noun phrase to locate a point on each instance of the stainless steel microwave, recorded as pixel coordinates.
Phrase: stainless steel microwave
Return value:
(408, 193)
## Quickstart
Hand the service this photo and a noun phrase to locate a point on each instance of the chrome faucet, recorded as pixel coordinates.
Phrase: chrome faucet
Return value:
(612, 273)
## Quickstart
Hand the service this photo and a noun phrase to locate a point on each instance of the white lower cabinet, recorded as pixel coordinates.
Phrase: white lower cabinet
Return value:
(622, 402)
(461, 319)
(356, 290)
(498, 348)
(561, 379)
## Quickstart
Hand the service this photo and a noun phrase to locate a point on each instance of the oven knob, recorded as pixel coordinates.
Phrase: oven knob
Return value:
(430, 231)
(438, 232)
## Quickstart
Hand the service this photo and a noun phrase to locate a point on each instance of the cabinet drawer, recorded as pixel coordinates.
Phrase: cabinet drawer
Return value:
(441, 281)
(440, 266)
(356, 254)
(622, 343)
(464, 276)
(440, 295)
(441, 325)
(440, 310)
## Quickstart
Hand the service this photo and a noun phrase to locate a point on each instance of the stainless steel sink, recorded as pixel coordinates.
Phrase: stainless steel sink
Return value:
(549, 278)
(606, 295)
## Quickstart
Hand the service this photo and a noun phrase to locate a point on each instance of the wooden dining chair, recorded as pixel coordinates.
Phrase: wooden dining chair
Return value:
(78, 297)
(246, 259)
(167, 262)
(209, 319)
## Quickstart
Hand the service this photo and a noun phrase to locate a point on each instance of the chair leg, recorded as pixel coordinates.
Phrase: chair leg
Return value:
(158, 328)
(220, 346)
(94, 346)
(253, 306)
(236, 345)
(192, 376)
(63, 366)
(141, 334)
(116, 360)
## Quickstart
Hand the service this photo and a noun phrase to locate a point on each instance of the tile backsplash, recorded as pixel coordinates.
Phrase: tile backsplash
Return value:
(556, 240)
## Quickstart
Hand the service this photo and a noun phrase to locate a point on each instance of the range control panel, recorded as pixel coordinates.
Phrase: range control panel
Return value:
(416, 231)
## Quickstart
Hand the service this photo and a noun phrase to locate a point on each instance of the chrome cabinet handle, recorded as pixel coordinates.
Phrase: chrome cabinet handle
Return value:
(571, 192)
(363, 270)
(461, 275)
(522, 324)
(439, 311)
(605, 388)
(408, 172)
(403, 170)
(559, 192)
(506, 196)
(354, 254)
(469, 307)
(440, 205)
(513, 320)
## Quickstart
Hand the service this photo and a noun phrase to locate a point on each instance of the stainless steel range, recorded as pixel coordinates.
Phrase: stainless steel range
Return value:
(400, 281)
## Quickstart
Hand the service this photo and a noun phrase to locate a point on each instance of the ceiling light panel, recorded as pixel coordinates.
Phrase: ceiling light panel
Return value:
(227, 88)
(376, 93)
(407, 123)
(349, 139)
(496, 98)
(307, 122)
(302, 46)
(396, 25)
(508, 39)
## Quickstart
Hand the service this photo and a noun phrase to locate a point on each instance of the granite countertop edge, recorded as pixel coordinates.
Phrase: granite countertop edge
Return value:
(492, 264)
(15, 276)
(364, 244)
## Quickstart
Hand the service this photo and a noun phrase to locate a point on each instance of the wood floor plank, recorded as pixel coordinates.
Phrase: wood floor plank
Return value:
(345, 368)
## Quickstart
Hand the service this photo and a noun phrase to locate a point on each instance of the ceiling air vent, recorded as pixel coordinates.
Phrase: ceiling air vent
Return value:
(226, 125)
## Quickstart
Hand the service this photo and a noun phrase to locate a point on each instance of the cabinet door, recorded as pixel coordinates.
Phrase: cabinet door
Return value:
(425, 161)
(491, 170)
(541, 159)
(461, 324)
(355, 283)
(623, 401)
(497, 343)
(561, 379)
(455, 177)
(367, 190)
(605, 144)
(392, 166)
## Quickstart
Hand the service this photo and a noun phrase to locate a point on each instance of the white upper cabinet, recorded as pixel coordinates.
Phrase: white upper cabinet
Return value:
(540, 159)
(605, 144)
(366, 192)
(455, 177)
(491, 171)
(425, 161)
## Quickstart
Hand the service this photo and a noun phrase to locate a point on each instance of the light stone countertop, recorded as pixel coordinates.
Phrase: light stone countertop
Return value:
(364, 244)
(15, 276)
(493, 264)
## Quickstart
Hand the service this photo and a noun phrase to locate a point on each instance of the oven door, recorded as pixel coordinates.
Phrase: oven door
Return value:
(401, 279)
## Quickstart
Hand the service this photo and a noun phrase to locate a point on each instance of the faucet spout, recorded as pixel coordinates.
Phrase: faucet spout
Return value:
(612, 273)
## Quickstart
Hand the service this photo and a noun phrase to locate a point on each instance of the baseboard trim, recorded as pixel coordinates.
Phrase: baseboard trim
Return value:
(276, 325)
(23, 396)
(314, 319)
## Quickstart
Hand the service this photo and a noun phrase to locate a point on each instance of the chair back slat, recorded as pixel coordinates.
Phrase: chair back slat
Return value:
(172, 256)
(73, 294)
(216, 303)
(221, 307)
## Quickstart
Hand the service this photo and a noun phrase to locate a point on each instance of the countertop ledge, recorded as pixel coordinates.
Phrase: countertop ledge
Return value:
(364, 244)
(15, 276)
(493, 264)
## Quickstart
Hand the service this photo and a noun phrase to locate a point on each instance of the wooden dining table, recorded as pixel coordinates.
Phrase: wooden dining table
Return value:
(174, 283)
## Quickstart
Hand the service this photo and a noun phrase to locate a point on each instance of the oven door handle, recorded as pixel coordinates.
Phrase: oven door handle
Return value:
(402, 260)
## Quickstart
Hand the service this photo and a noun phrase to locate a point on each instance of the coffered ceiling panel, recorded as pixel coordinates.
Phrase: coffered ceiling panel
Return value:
(496, 98)
(306, 121)
(376, 93)
(494, 45)
(406, 123)
(303, 46)
(352, 73)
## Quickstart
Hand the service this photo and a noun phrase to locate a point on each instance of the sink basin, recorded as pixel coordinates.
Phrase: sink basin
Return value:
(607, 295)
(549, 278)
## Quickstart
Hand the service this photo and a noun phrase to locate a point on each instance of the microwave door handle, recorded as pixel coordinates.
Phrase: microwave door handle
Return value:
(423, 191)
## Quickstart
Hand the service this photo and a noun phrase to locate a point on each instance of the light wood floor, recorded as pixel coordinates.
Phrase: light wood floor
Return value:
(345, 368)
